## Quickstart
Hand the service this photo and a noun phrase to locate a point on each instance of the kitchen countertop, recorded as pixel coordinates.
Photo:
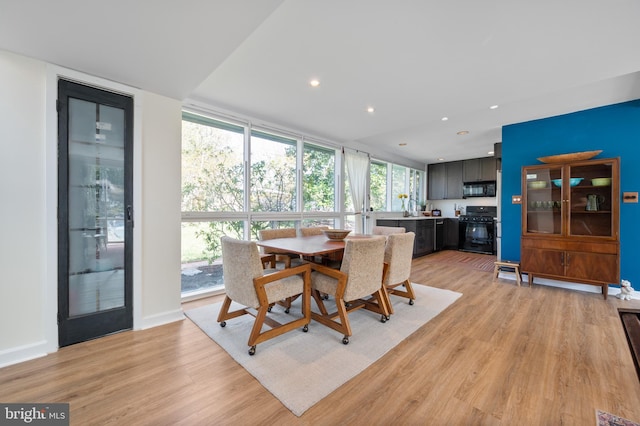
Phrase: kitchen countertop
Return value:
(421, 217)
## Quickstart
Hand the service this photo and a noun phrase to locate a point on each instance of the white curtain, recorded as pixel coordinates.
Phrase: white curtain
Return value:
(357, 169)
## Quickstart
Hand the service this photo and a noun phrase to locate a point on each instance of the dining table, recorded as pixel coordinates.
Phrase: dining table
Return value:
(311, 246)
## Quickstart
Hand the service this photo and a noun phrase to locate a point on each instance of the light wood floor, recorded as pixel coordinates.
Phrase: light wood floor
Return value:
(500, 355)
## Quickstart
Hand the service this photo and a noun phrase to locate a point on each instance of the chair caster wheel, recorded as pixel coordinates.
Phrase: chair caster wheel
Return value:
(345, 340)
(388, 317)
(326, 297)
(411, 301)
(383, 319)
(286, 311)
(223, 323)
(305, 328)
(252, 350)
(269, 309)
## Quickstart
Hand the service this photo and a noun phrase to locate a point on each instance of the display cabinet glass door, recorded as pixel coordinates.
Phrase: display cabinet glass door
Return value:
(544, 201)
(590, 199)
(94, 202)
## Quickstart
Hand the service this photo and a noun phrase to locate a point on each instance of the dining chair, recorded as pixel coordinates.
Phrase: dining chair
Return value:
(312, 230)
(398, 255)
(387, 230)
(281, 256)
(356, 285)
(248, 284)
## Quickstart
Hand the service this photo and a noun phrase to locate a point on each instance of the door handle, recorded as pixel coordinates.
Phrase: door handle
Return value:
(130, 215)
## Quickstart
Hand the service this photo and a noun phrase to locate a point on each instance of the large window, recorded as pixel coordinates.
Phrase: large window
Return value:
(399, 185)
(273, 173)
(378, 186)
(237, 180)
(212, 165)
(318, 182)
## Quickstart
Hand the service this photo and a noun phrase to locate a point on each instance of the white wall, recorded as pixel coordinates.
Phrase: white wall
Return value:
(161, 215)
(22, 204)
(27, 278)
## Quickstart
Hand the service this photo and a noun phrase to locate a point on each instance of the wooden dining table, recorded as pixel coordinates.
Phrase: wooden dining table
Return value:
(309, 247)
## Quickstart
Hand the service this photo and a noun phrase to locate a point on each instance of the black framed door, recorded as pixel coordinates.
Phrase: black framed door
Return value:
(95, 212)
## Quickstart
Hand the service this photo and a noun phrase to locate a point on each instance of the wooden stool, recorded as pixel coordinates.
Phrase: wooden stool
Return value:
(510, 265)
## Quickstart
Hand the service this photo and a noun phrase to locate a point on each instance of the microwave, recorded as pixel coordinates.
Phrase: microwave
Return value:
(479, 189)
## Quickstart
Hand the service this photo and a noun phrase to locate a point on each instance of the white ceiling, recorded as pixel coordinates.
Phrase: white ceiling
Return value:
(414, 61)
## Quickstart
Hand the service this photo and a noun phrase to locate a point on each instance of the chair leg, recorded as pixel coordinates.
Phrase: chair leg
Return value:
(225, 314)
(324, 318)
(407, 292)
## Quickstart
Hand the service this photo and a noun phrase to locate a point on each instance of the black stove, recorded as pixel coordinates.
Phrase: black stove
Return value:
(479, 214)
(477, 229)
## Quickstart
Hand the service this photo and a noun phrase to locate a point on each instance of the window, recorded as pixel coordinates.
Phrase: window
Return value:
(237, 180)
(212, 165)
(318, 181)
(378, 186)
(399, 180)
(201, 254)
(273, 173)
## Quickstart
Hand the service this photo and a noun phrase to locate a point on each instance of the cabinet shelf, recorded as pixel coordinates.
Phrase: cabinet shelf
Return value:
(573, 212)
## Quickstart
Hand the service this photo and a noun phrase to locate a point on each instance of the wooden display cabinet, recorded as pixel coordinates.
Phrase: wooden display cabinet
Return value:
(571, 221)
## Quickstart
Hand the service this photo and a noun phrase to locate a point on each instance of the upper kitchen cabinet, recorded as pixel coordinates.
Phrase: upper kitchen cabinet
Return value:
(445, 181)
(479, 169)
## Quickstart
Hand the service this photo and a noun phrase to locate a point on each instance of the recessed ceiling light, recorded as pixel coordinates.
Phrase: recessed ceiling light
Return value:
(490, 152)
(444, 118)
(440, 159)
(370, 110)
(463, 132)
(314, 83)
(493, 107)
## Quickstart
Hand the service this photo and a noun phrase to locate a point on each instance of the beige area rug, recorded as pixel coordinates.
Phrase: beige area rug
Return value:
(302, 368)
(481, 262)
(607, 419)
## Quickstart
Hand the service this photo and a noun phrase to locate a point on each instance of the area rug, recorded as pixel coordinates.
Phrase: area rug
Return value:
(302, 368)
(607, 419)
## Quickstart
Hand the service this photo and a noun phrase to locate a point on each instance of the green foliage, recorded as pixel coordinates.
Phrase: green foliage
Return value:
(318, 193)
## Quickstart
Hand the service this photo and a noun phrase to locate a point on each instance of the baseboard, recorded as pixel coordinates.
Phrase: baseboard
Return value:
(612, 290)
(23, 353)
(42, 348)
(161, 319)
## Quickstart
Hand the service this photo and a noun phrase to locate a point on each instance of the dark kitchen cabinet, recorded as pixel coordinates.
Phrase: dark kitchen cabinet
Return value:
(451, 233)
(445, 181)
(479, 169)
(423, 228)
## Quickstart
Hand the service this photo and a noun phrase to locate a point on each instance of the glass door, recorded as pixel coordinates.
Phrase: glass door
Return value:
(95, 135)
(591, 199)
(544, 200)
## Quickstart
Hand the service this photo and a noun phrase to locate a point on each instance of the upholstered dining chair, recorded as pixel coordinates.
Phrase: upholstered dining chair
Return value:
(283, 257)
(398, 254)
(387, 230)
(248, 284)
(356, 285)
(312, 230)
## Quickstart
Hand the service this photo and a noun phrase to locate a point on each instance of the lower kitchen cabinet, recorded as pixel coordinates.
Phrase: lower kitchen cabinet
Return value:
(423, 228)
(451, 233)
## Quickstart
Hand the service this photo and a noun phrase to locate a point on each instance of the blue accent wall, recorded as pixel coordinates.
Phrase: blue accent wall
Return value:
(615, 129)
